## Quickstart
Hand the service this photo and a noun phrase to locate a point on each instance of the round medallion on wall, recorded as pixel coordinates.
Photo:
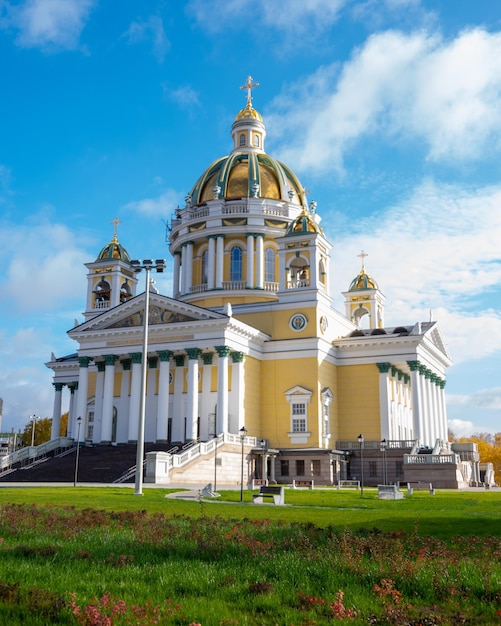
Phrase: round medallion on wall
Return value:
(298, 322)
(323, 323)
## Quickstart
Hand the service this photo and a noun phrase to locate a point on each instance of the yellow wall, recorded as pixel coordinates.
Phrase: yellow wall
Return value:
(252, 400)
(277, 377)
(358, 402)
(328, 378)
(276, 323)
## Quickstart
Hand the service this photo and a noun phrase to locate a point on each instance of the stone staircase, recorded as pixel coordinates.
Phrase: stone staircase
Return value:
(96, 464)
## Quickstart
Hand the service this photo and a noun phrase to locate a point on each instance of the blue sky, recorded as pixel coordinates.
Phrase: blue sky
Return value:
(389, 111)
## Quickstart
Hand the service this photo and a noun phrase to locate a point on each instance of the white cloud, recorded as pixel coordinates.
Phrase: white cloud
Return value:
(444, 243)
(43, 265)
(445, 94)
(50, 23)
(150, 29)
(306, 17)
(161, 206)
(184, 95)
(461, 428)
(484, 398)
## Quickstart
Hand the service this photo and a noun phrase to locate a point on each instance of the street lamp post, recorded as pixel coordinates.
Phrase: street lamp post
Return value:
(383, 450)
(361, 442)
(79, 423)
(243, 433)
(264, 468)
(34, 419)
(215, 462)
(147, 265)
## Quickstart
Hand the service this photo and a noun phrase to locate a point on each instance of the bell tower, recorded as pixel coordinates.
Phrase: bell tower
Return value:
(364, 298)
(111, 279)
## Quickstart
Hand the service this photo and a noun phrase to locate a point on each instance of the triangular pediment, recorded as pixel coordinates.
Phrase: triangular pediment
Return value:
(434, 335)
(162, 311)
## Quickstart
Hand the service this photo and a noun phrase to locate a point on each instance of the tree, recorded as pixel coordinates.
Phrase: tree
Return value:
(43, 427)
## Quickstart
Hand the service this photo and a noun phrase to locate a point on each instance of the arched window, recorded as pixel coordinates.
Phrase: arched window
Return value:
(242, 139)
(125, 292)
(321, 272)
(269, 265)
(205, 265)
(236, 263)
(256, 141)
(102, 294)
(299, 274)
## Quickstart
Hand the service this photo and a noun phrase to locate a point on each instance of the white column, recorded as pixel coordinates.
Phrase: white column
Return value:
(189, 267)
(237, 392)
(151, 388)
(163, 396)
(260, 262)
(222, 389)
(250, 261)
(83, 390)
(124, 410)
(416, 400)
(183, 269)
(177, 271)
(219, 262)
(56, 411)
(211, 258)
(206, 430)
(443, 411)
(192, 395)
(135, 397)
(384, 399)
(71, 413)
(108, 393)
(98, 402)
(178, 409)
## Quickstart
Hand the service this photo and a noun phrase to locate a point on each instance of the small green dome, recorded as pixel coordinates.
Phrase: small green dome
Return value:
(303, 224)
(113, 250)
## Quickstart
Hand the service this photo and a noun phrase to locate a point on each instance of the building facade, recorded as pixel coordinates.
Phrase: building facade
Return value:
(250, 338)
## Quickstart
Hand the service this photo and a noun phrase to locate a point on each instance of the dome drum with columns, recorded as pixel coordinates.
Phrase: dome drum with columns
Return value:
(250, 339)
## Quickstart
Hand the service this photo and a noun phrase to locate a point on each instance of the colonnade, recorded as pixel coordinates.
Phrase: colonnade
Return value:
(183, 264)
(188, 404)
(429, 416)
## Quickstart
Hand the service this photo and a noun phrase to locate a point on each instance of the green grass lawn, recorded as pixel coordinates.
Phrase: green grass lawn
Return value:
(443, 515)
(104, 557)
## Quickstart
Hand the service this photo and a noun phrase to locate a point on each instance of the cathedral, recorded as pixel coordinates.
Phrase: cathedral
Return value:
(249, 348)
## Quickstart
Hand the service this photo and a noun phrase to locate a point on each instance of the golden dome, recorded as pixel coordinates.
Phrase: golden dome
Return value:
(248, 113)
(303, 224)
(363, 281)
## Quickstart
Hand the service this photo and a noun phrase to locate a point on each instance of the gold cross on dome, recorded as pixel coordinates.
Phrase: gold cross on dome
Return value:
(249, 85)
(362, 256)
(115, 223)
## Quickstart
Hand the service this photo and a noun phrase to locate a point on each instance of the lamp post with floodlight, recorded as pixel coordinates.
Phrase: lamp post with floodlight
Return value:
(137, 266)
(361, 442)
(34, 419)
(383, 447)
(243, 433)
(79, 423)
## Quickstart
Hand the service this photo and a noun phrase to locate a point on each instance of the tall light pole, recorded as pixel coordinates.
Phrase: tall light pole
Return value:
(383, 450)
(243, 433)
(79, 423)
(361, 442)
(34, 419)
(147, 265)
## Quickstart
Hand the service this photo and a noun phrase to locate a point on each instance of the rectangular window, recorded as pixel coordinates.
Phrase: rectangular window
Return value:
(372, 469)
(284, 467)
(299, 418)
(300, 468)
(315, 467)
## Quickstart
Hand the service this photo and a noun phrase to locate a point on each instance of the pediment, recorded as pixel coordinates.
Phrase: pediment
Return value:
(435, 336)
(162, 311)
